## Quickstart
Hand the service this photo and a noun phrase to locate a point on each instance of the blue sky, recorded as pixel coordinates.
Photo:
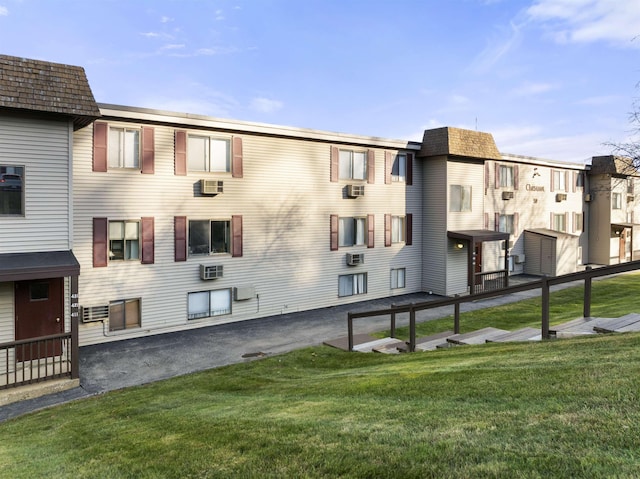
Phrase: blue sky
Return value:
(554, 79)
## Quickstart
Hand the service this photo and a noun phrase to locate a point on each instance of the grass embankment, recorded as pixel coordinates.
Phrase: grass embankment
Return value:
(568, 408)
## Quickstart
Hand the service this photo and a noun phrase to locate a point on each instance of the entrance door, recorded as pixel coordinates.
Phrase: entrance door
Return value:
(39, 312)
(547, 256)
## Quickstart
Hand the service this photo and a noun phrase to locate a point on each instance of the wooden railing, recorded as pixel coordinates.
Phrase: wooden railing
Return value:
(490, 281)
(35, 360)
(543, 284)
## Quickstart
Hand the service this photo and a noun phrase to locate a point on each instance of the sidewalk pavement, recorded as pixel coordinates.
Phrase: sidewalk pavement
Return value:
(120, 364)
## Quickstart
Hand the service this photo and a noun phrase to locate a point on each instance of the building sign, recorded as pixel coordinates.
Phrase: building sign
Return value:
(534, 188)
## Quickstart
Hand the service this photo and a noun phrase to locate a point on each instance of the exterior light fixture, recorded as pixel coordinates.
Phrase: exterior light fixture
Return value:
(459, 245)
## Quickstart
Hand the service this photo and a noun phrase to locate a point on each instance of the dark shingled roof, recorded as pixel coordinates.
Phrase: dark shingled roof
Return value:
(459, 142)
(613, 165)
(45, 87)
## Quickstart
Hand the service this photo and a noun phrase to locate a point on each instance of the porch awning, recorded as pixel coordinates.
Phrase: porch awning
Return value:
(478, 236)
(550, 233)
(48, 264)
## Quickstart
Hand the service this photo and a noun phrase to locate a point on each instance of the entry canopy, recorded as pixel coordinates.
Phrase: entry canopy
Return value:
(27, 266)
(478, 236)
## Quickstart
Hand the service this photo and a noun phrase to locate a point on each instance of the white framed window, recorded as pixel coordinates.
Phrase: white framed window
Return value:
(124, 148)
(506, 224)
(399, 168)
(353, 165)
(559, 180)
(398, 278)
(398, 229)
(11, 190)
(205, 304)
(352, 284)
(209, 237)
(559, 222)
(506, 176)
(578, 222)
(580, 179)
(616, 201)
(352, 231)
(459, 198)
(208, 154)
(124, 314)
(124, 240)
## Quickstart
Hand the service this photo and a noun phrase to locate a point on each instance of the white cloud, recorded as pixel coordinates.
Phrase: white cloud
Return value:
(150, 34)
(587, 21)
(504, 42)
(4, 11)
(219, 15)
(529, 88)
(265, 105)
(166, 19)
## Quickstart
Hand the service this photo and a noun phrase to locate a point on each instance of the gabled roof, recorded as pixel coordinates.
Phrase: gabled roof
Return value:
(458, 142)
(44, 87)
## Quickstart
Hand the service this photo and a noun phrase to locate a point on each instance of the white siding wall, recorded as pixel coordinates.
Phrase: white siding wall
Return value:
(434, 227)
(42, 147)
(285, 199)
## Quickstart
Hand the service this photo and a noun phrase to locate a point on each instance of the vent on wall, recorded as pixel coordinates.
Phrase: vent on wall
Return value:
(211, 187)
(561, 197)
(587, 197)
(353, 191)
(89, 314)
(354, 259)
(210, 272)
(507, 195)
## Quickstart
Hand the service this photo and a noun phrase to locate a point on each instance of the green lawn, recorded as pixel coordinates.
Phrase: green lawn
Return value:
(565, 408)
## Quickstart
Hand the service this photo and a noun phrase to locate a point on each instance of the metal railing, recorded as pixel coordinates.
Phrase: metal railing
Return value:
(490, 281)
(35, 360)
(543, 284)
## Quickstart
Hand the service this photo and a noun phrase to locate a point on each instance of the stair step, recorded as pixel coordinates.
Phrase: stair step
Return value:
(476, 337)
(524, 334)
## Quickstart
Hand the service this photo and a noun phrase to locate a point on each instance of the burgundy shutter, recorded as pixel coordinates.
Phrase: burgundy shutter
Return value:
(553, 185)
(497, 175)
(516, 181)
(148, 150)
(371, 220)
(236, 165)
(100, 242)
(409, 168)
(574, 182)
(180, 238)
(516, 218)
(408, 239)
(333, 237)
(334, 166)
(566, 181)
(388, 167)
(551, 221)
(236, 234)
(100, 139)
(387, 230)
(371, 166)
(496, 225)
(180, 154)
(147, 235)
(486, 177)
(486, 221)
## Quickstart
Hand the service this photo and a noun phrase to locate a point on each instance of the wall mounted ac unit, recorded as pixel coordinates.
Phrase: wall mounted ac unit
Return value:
(89, 314)
(587, 197)
(630, 198)
(353, 191)
(354, 259)
(519, 258)
(211, 187)
(244, 292)
(507, 195)
(210, 272)
(561, 197)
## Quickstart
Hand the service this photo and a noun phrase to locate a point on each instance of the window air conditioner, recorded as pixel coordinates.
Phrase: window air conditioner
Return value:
(519, 258)
(630, 198)
(243, 293)
(210, 272)
(211, 187)
(587, 197)
(561, 197)
(354, 259)
(353, 191)
(507, 195)
(89, 314)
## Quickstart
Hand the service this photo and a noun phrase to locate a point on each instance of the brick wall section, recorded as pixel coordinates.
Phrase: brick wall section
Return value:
(458, 142)
(39, 86)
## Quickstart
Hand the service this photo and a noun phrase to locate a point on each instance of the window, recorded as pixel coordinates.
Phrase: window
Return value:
(506, 176)
(460, 198)
(580, 180)
(559, 180)
(353, 165)
(578, 222)
(124, 240)
(398, 278)
(629, 186)
(559, 222)
(397, 229)
(352, 284)
(208, 154)
(124, 314)
(11, 190)
(506, 224)
(616, 201)
(399, 168)
(352, 231)
(209, 236)
(124, 148)
(205, 304)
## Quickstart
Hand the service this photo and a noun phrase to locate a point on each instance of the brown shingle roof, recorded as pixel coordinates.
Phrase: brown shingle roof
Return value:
(458, 142)
(40, 86)
(613, 165)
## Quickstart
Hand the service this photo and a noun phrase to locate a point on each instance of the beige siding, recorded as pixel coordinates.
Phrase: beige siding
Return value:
(434, 229)
(42, 147)
(7, 316)
(285, 198)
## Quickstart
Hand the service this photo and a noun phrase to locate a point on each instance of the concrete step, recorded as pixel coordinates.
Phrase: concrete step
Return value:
(368, 347)
(476, 337)
(578, 327)
(524, 334)
(395, 347)
(622, 324)
(431, 343)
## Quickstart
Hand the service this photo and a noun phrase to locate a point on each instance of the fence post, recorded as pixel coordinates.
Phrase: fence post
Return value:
(412, 330)
(456, 316)
(350, 332)
(586, 312)
(393, 321)
(545, 308)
